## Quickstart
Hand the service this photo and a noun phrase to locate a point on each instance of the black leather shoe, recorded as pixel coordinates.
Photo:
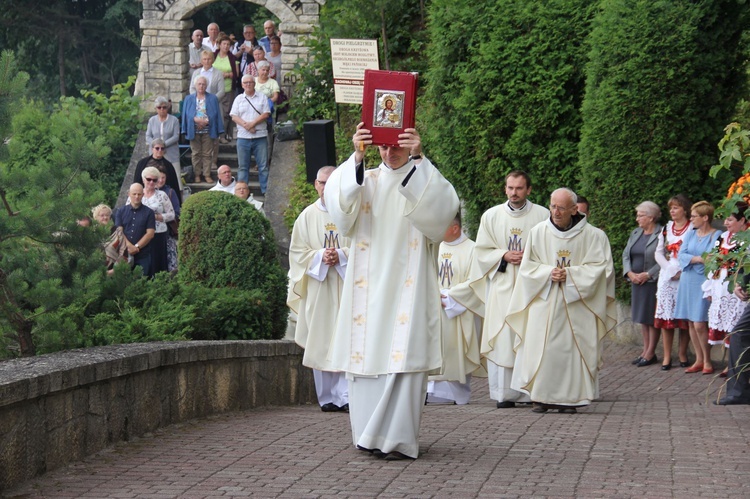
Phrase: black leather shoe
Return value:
(506, 404)
(666, 367)
(344, 408)
(567, 410)
(731, 401)
(646, 362)
(329, 407)
(637, 360)
(685, 364)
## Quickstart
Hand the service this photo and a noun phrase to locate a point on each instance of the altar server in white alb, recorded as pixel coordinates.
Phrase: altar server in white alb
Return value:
(388, 333)
(501, 240)
(317, 265)
(562, 306)
(462, 309)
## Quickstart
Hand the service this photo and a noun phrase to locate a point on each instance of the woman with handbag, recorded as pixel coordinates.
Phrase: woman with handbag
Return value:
(640, 268)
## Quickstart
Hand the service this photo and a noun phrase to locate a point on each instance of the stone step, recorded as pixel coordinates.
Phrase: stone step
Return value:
(227, 156)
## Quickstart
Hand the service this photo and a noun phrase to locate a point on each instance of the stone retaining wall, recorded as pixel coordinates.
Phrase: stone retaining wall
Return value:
(59, 408)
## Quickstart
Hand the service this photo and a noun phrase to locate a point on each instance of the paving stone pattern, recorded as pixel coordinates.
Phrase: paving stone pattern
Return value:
(652, 434)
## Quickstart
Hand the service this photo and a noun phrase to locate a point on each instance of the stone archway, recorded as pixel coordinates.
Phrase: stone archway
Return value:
(166, 28)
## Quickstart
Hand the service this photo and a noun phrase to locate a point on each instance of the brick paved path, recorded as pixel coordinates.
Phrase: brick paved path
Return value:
(651, 434)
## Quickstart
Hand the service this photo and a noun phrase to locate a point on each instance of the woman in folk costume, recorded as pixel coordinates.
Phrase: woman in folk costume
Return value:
(726, 308)
(669, 278)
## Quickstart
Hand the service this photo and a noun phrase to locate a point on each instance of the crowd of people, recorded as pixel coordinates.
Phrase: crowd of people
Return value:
(670, 286)
(396, 307)
(232, 83)
(144, 232)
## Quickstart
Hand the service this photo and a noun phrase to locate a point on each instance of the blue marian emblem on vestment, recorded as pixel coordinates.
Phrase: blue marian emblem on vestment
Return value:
(331, 237)
(446, 270)
(563, 259)
(515, 241)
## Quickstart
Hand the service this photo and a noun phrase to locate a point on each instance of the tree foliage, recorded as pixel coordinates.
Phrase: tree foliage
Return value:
(503, 92)
(44, 254)
(398, 25)
(110, 122)
(71, 46)
(663, 79)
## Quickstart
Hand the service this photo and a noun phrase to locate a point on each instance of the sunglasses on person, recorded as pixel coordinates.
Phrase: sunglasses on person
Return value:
(150, 179)
(161, 107)
(157, 148)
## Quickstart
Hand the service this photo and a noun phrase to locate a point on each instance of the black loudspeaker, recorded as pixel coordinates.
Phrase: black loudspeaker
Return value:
(320, 146)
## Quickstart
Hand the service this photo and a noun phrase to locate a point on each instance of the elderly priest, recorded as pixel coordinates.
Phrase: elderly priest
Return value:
(562, 306)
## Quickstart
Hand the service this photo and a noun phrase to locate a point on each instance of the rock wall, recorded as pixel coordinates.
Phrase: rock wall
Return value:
(58, 408)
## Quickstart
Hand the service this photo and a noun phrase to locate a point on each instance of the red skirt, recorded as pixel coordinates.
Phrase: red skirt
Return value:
(671, 324)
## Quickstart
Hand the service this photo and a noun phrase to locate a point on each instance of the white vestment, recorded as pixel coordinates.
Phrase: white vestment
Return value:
(559, 325)
(460, 338)
(501, 229)
(315, 293)
(387, 323)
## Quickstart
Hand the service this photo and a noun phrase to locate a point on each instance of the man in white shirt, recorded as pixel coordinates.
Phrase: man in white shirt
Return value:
(195, 47)
(250, 111)
(212, 42)
(226, 182)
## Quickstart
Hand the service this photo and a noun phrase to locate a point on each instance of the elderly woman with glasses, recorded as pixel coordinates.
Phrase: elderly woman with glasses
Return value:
(640, 268)
(159, 202)
(166, 127)
(158, 148)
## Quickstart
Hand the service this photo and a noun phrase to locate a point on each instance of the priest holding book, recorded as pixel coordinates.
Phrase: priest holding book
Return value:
(387, 337)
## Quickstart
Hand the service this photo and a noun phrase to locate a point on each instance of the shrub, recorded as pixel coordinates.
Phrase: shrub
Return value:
(226, 243)
(663, 79)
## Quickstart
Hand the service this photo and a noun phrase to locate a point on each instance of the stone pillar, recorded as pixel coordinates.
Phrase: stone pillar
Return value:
(163, 67)
(292, 50)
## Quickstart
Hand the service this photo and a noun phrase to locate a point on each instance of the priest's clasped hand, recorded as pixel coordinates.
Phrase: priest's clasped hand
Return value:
(558, 275)
(331, 257)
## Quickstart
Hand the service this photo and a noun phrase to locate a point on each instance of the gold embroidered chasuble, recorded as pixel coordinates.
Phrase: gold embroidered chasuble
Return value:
(501, 229)
(460, 339)
(389, 320)
(559, 326)
(316, 302)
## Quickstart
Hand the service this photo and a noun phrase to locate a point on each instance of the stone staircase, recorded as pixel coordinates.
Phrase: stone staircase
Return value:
(227, 156)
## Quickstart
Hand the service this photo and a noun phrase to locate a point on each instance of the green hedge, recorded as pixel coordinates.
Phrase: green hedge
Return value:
(503, 92)
(662, 82)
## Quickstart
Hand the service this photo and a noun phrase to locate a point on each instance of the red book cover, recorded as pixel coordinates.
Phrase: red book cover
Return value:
(389, 102)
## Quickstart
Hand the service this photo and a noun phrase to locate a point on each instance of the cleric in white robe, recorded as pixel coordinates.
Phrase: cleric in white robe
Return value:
(461, 309)
(562, 307)
(317, 265)
(501, 240)
(388, 334)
